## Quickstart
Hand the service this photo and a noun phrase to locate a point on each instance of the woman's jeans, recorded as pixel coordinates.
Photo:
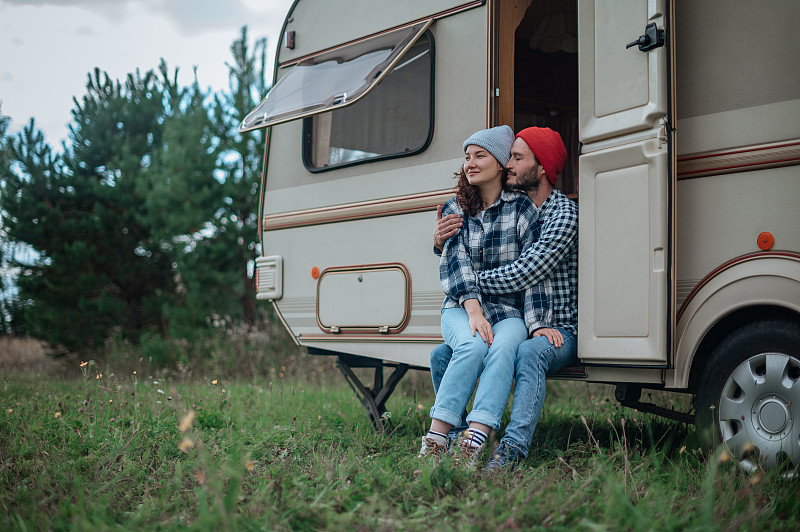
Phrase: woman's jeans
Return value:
(473, 358)
(535, 358)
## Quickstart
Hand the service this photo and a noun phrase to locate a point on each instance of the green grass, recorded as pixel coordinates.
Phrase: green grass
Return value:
(94, 448)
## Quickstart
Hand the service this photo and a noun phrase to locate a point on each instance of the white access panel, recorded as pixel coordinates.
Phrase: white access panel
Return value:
(363, 298)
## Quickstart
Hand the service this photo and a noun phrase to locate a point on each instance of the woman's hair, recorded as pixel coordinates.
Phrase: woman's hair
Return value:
(469, 196)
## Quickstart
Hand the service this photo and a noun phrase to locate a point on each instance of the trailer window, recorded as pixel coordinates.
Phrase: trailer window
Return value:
(334, 79)
(394, 119)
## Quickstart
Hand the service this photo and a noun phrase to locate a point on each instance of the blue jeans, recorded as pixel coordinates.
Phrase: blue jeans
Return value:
(472, 358)
(535, 358)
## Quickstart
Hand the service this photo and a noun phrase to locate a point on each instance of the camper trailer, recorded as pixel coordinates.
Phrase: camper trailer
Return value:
(682, 123)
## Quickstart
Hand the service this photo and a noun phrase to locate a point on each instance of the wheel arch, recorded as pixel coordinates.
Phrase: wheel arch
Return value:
(752, 287)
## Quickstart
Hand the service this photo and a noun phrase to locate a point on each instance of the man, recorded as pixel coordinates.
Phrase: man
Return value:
(538, 156)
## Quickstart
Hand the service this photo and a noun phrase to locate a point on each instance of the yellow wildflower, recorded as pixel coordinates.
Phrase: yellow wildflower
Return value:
(83, 363)
(58, 415)
(186, 422)
(186, 445)
(724, 456)
(214, 382)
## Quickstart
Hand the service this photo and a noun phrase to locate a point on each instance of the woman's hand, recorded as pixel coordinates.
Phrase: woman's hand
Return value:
(444, 227)
(553, 335)
(478, 322)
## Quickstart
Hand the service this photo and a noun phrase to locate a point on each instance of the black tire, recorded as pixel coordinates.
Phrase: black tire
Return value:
(749, 396)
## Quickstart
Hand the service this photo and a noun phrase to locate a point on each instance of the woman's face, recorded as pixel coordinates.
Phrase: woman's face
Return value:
(480, 166)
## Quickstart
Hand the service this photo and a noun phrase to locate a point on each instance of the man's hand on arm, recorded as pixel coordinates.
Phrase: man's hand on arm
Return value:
(557, 238)
(444, 228)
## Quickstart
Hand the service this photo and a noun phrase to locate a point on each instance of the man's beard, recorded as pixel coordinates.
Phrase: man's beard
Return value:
(527, 181)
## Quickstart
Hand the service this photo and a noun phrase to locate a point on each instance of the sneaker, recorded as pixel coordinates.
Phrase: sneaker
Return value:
(505, 458)
(431, 448)
(465, 454)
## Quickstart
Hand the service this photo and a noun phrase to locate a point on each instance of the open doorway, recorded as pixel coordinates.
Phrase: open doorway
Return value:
(536, 69)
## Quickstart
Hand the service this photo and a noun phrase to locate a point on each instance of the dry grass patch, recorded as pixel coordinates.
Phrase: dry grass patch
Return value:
(18, 353)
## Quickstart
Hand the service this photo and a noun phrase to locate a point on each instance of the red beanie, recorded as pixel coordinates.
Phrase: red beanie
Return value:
(548, 148)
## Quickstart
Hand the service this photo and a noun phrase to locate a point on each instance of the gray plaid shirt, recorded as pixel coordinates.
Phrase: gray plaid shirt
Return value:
(554, 255)
(508, 227)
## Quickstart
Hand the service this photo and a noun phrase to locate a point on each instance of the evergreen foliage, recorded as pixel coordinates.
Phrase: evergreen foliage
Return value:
(6, 249)
(240, 168)
(147, 220)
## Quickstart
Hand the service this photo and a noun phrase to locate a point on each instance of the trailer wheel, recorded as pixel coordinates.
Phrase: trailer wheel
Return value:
(749, 398)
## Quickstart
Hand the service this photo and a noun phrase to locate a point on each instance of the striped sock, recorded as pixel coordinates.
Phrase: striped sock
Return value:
(438, 437)
(476, 437)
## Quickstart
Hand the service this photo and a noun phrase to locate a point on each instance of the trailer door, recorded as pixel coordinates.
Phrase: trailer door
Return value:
(625, 187)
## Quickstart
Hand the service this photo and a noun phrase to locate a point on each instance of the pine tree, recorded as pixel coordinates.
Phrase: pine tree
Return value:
(236, 223)
(182, 196)
(96, 267)
(7, 290)
(148, 221)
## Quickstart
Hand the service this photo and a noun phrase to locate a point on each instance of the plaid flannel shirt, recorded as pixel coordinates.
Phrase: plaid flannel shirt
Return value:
(508, 227)
(554, 255)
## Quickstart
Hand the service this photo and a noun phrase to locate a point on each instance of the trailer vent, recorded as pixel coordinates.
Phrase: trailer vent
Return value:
(269, 277)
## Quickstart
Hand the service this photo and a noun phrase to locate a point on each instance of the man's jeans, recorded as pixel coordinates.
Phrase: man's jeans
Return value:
(535, 359)
(472, 358)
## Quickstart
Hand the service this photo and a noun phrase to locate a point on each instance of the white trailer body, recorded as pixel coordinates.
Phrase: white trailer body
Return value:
(682, 124)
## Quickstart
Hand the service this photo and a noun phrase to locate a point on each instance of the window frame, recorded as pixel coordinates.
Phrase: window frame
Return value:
(308, 123)
(258, 118)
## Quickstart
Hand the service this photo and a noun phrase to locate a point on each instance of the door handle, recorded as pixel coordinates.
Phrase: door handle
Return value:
(652, 38)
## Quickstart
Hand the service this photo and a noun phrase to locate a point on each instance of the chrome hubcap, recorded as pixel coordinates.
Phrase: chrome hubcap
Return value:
(771, 415)
(759, 412)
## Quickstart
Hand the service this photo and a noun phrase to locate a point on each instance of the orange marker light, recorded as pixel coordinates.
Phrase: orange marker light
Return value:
(766, 241)
(314, 272)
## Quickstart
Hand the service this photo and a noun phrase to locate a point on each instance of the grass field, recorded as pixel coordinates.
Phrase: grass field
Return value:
(123, 446)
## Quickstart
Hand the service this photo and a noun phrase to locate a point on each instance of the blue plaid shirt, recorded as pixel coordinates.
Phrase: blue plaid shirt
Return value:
(508, 227)
(554, 255)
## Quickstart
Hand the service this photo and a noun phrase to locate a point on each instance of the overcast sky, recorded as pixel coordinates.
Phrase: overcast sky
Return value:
(47, 47)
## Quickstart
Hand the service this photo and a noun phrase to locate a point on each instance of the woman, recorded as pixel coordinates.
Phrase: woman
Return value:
(483, 331)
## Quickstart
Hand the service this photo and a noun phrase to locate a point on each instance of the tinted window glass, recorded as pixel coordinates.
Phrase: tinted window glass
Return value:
(395, 118)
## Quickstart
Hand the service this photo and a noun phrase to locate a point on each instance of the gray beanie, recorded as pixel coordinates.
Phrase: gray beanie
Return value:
(496, 140)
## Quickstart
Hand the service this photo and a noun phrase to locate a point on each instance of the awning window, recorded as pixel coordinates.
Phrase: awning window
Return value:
(334, 79)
